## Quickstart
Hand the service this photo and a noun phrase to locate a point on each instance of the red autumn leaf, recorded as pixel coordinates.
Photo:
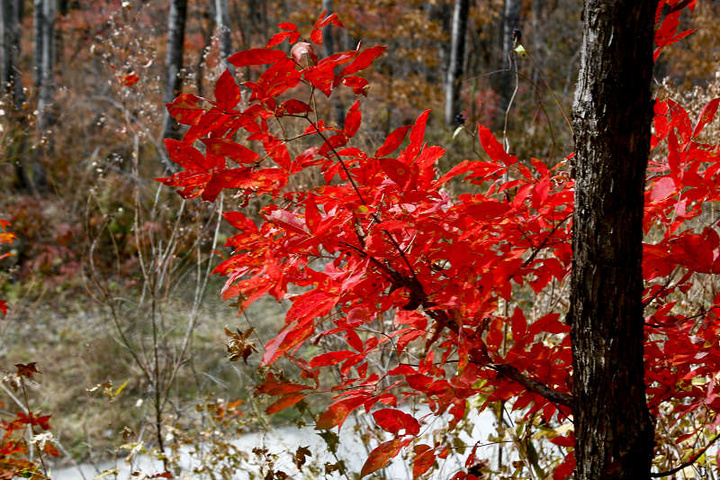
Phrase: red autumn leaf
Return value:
(162, 475)
(393, 421)
(393, 141)
(381, 455)
(275, 388)
(130, 79)
(288, 221)
(186, 109)
(493, 148)
(423, 460)
(396, 170)
(331, 358)
(662, 189)
(256, 56)
(293, 107)
(359, 85)
(284, 402)
(706, 116)
(352, 120)
(227, 92)
(417, 135)
(224, 147)
(291, 34)
(286, 340)
(338, 411)
(363, 60)
(3, 307)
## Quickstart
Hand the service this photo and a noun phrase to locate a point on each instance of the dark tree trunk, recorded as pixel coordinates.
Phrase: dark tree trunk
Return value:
(11, 78)
(612, 115)
(328, 49)
(457, 60)
(511, 22)
(12, 85)
(174, 61)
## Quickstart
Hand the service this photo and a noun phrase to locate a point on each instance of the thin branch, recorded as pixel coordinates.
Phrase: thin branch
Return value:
(512, 373)
(689, 463)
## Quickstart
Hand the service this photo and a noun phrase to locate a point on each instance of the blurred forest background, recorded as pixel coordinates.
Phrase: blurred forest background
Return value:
(109, 288)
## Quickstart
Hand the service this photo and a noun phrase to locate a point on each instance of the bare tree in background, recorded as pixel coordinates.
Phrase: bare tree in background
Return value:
(12, 86)
(457, 60)
(511, 24)
(174, 62)
(11, 78)
(222, 24)
(328, 49)
(44, 17)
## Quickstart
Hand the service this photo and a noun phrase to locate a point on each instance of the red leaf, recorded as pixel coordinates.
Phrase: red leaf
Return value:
(331, 358)
(363, 60)
(284, 402)
(227, 92)
(256, 56)
(188, 156)
(224, 147)
(288, 221)
(293, 107)
(278, 38)
(381, 456)
(493, 148)
(662, 189)
(359, 85)
(392, 421)
(336, 413)
(276, 388)
(417, 135)
(309, 305)
(3, 307)
(185, 109)
(396, 170)
(352, 120)
(706, 116)
(285, 341)
(393, 141)
(423, 460)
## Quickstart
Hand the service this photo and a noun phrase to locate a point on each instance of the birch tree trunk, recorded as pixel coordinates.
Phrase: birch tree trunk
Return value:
(457, 60)
(174, 61)
(44, 16)
(612, 114)
(222, 23)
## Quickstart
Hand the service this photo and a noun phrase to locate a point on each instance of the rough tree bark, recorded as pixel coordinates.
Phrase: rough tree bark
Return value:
(612, 114)
(457, 60)
(174, 61)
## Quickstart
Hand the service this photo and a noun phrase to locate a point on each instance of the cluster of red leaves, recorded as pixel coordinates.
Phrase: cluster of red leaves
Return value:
(381, 259)
(5, 237)
(14, 448)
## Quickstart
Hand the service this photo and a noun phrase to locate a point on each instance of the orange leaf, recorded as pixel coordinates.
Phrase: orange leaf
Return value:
(381, 456)
(284, 402)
